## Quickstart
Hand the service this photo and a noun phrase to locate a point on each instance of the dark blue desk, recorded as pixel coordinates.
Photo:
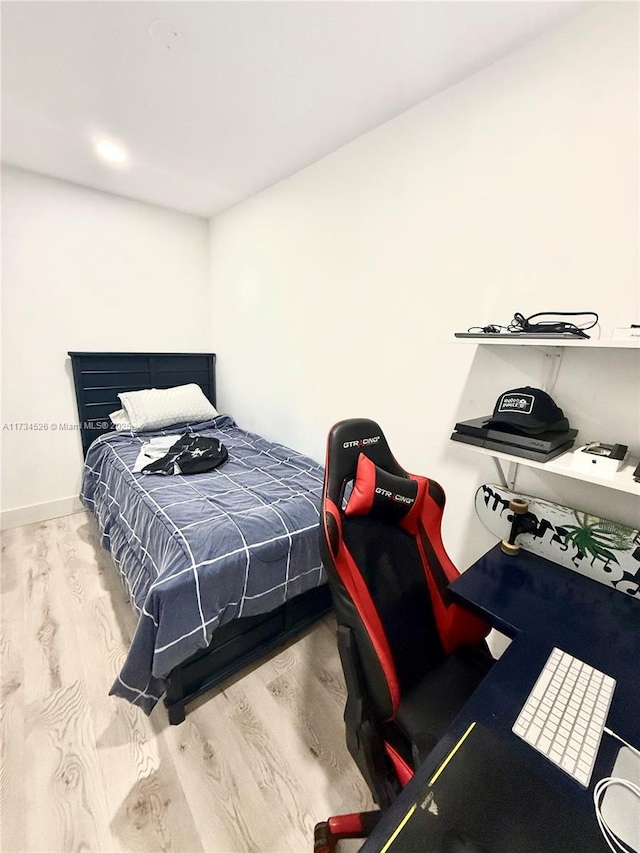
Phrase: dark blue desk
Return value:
(539, 605)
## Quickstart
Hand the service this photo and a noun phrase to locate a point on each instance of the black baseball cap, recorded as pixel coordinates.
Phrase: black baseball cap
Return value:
(529, 410)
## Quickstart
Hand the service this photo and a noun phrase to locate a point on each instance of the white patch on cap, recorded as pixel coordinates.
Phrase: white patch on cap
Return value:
(520, 403)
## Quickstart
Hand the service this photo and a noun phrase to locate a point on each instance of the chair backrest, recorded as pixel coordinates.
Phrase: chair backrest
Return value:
(388, 570)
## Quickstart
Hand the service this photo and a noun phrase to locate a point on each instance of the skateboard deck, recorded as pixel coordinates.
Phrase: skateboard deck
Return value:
(603, 550)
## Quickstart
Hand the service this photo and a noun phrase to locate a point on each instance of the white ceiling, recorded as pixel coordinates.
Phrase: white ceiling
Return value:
(244, 95)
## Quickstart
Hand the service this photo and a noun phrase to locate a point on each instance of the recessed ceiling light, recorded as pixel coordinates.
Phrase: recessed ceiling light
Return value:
(111, 151)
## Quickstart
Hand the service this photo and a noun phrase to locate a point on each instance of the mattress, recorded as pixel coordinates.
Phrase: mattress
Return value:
(197, 551)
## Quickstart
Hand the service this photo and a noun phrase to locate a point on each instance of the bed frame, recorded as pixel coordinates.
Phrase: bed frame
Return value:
(98, 379)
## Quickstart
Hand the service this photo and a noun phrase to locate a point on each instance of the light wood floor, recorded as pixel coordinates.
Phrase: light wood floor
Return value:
(252, 769)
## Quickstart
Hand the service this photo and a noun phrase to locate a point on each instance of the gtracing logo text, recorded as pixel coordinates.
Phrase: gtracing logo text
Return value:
(361, 442)
(398, 498)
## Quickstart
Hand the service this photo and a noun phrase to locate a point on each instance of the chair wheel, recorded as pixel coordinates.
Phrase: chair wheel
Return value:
(323, 840)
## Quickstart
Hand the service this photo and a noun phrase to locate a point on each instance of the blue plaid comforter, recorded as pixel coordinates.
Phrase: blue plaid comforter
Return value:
(197, 551)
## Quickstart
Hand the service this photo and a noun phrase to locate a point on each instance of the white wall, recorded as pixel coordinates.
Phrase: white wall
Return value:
(83, 270)
(516, 190)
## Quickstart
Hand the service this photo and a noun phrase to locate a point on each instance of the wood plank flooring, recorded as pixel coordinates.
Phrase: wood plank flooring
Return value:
(252, 768)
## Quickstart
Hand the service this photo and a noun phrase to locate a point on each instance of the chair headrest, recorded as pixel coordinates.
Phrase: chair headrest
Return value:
(348, 440)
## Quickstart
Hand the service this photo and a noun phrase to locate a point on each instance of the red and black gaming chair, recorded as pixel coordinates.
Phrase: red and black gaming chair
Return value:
(411, 656)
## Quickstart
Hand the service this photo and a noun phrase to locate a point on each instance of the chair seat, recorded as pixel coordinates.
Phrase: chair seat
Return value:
(427, 710)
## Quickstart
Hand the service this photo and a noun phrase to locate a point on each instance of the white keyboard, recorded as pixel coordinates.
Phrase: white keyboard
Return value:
(565, 713)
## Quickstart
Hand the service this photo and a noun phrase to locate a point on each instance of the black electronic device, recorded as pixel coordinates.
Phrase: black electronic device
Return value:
(458, 842)
(549, 325)
(513, 449)
(449, 816)
(543, 442)
(617, 452)
(549, 336)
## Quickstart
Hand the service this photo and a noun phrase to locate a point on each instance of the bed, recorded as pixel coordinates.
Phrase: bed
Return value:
(221, 567)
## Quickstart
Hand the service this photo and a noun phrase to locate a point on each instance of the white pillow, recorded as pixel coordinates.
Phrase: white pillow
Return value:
(120, 419)
(156, 408)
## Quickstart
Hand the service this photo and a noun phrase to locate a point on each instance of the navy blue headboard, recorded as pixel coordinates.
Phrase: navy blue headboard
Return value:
(100, 376)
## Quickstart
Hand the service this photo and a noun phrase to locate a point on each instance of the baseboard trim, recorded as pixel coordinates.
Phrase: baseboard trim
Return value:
(39, 512)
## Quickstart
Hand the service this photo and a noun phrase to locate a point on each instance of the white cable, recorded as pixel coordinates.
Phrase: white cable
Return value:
(615, 843)
(622, 740)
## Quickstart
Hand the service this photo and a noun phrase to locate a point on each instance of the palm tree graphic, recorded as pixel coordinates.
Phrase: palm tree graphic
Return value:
(598, 538)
